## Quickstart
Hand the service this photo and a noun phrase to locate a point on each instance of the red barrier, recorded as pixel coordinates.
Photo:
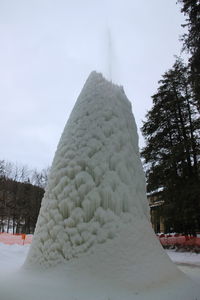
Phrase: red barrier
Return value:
(20, 239)
(179, 240)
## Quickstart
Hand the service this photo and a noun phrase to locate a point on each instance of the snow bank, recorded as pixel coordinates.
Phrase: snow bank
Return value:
(93, 238)
(11, 257)
(187, 258)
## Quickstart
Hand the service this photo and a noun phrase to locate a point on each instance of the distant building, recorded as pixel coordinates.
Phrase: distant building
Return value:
(156, 203)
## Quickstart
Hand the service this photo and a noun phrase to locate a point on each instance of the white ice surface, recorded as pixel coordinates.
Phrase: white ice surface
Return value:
(187, 262)
(188, 258)
(93, 238)
(12, 258)
(96, 183)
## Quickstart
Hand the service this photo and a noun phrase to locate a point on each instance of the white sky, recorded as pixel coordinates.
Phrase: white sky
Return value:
(48, 48)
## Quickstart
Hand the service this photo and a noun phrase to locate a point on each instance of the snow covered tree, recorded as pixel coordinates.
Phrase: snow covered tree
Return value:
(172, 151)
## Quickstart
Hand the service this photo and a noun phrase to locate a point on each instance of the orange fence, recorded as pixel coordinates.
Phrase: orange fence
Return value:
(182, 240)
(20, 239)
(166, 240)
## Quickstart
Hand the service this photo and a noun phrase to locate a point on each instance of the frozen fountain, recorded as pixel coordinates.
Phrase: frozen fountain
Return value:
(93, 238)
(95, 215)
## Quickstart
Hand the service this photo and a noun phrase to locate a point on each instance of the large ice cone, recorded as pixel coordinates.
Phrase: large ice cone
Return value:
(94, 216)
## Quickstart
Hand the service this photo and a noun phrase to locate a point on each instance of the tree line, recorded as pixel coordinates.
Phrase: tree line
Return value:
(172, 134)
(21, 192)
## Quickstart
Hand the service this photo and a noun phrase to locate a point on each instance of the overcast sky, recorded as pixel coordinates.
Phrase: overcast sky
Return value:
(48, 48)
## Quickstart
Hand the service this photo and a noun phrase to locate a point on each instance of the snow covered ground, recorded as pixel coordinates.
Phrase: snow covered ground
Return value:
(188, 262)
(185, 258)
(13, 256)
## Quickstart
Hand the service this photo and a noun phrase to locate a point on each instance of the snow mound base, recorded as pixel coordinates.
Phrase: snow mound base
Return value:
(93, 238)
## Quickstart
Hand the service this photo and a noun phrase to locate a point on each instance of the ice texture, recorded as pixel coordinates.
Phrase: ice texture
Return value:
(96, 180)
(94, 222)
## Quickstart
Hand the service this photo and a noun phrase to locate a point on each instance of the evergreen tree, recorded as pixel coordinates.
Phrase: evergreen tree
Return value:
(191, 9)
(172, 149)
